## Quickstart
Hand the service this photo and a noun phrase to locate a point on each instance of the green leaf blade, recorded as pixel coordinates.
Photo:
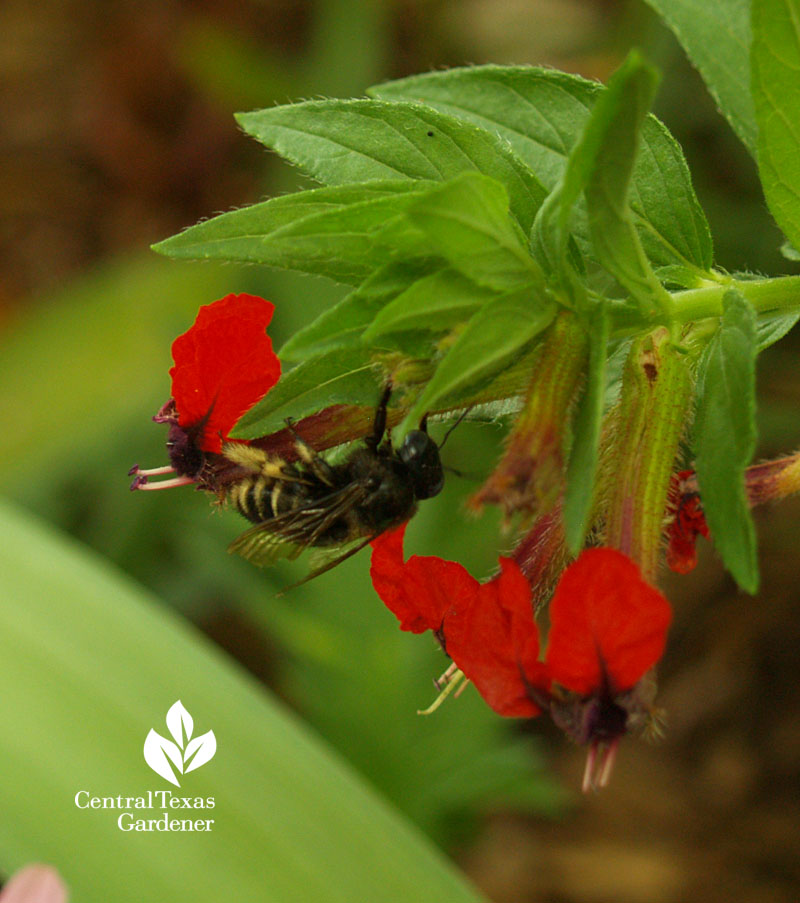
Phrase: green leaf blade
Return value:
(608, 150)
(716, 38)
(542, 114)
(91, 663)
(493, 338)
(341, 141)
(585, 452)
(467, 221)
(436, 302)
(344, 324)
(725, 436)
(333, 232)
(773, 329)
(344, 376)
(775, 60)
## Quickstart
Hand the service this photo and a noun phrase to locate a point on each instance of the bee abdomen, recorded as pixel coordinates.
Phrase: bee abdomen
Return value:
(260, 498)
(252, 499)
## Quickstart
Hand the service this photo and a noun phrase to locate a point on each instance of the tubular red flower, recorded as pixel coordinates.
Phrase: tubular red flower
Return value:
(224, 364)
(607, 626)
(486, 628)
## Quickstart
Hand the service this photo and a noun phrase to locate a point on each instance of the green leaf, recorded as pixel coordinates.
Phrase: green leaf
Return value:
(542, 114)
(344, 376)
(775, 60)
(789, 251)
(342, 325)
(681, 277)
(341, 141)
(90, 664)
(466, 221)
(771, 330)
(551, 230)
(725, 435)
(584, 455)
(437, 302)
(334, 232)
(716, 38)
(608, 150)
(497, 334)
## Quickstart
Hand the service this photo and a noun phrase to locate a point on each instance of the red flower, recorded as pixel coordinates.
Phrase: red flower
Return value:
(607, 626)
(607, 629)
(486, 628)
(224, 364)
(688, 522)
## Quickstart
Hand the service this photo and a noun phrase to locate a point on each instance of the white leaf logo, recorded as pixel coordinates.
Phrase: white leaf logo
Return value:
(185, 754)
(180, 723)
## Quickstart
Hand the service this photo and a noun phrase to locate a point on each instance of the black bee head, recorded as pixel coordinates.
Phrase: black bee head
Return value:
(420, 454)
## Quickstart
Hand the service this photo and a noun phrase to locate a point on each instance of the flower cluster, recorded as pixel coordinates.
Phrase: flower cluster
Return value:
(607, 630)
(607, 621)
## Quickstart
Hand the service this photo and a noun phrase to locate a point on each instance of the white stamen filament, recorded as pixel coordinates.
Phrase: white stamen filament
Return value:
(608, 763)
(599, 764)
(166, 484)
(153, 472)
(588, 771)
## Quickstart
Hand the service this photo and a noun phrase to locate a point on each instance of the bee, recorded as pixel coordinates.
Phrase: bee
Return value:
(339, 507)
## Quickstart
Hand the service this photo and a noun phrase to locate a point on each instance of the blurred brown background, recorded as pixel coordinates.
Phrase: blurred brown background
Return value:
(117, 130)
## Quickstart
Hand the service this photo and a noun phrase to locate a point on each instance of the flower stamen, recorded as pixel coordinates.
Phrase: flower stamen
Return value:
(588, 771)
(452, 679)
(140, 482)
(599, 764)
(609, 758)
(441, 682)
(152, 472)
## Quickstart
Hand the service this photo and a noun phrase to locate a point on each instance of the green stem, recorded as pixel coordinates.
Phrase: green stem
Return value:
(779, 295)
(768, 296)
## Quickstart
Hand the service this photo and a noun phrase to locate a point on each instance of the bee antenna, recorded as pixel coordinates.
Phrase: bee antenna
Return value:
(461, 474)
(463, 414)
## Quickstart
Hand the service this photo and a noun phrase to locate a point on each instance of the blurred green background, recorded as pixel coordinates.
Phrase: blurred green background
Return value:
(118, 131)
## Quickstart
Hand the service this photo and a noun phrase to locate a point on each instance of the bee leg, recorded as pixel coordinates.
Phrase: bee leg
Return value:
(379, 424)
(309, 456)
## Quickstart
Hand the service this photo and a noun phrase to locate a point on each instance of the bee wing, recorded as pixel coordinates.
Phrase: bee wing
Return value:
(287, 534)
(262, 548)
(324, 559)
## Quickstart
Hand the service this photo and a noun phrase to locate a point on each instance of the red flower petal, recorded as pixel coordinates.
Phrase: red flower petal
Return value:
(418, 591)
(607, 626)
(224, 364)
(494, 640)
